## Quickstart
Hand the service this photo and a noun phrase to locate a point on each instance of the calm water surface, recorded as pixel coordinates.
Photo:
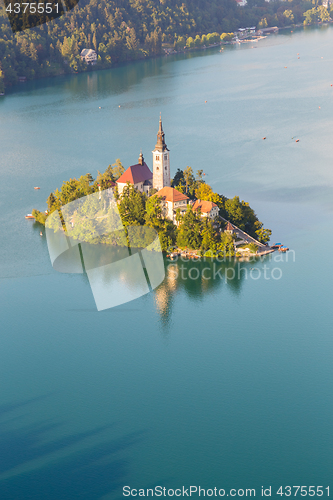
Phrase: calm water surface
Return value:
(209, 383)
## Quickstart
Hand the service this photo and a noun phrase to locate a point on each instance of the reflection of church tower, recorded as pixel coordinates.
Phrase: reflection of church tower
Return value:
(165, 292)
(161, 162)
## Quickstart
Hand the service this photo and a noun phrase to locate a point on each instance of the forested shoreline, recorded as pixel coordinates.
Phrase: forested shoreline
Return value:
(128, 30)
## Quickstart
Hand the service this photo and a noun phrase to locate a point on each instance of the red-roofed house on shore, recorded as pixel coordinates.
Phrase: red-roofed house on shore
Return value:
(207, 208)
(138, 175)
(171, 200)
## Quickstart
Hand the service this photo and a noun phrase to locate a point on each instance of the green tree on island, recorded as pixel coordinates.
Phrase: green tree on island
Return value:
(188, 178)
(178, 179)
(132, 206)
(118, 169)
(153, 217)
(262, 234)
(209, 239)
(189, 232)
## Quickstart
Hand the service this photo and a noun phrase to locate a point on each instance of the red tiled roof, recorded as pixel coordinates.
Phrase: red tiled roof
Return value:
(229, 227)
(205, 206)
(136, 173)
(171, 194)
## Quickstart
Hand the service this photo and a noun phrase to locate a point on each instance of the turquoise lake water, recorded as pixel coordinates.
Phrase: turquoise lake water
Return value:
(220, 383)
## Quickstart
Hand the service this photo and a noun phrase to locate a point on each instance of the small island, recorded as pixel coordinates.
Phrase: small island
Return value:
(189, 217)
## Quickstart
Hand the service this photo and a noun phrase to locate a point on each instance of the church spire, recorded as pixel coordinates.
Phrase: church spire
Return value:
(161, 161)
(160, 144)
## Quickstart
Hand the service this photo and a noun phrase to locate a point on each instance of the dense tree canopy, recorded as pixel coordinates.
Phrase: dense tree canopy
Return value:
(124, 30)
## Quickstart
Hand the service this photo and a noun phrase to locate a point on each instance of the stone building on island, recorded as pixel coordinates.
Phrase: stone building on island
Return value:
(206, 208)
(171, 201)
(138, 175)
(142, 179)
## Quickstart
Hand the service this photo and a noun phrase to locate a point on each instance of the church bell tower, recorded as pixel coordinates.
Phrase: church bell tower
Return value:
(161, 161)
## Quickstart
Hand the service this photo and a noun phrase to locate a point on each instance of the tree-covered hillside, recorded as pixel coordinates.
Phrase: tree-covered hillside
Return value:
(124, 30)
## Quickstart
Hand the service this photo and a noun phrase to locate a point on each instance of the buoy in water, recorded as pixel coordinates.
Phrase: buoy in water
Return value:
(205, 101)
(263, 138)
(285, 66)
(297, 140)
(319, 107)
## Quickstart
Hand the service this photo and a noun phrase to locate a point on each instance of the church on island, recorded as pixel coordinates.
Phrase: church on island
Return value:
(142, 179)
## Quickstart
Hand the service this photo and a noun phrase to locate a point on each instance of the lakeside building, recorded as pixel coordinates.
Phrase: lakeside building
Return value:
(207, 208)
(245, 32)
(89, 56)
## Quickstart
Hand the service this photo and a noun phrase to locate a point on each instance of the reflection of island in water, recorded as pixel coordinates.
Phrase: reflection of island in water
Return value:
(119, 278)
(121, 263)
(124, 263)
(199, 278)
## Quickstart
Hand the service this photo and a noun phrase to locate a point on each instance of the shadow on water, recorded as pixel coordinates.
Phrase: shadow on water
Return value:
(89, 473)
